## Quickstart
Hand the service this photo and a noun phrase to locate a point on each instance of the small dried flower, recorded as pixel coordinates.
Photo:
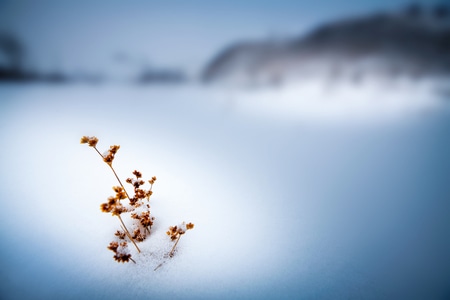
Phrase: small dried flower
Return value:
(112, 200)
(120, 192)
(121, 252)
(172, 232)
(108, 159)
(145, 219)
(138, 236)
(90, 140)
(120, 257)
(108, 156)
(176, 231)
(120, 234)
(134, 202)
(105, 207)
(140, 194)
(113, 149)
(118, 209)
(113, 246)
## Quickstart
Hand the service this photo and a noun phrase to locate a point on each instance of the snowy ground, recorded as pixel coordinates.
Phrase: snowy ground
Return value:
(294, 200)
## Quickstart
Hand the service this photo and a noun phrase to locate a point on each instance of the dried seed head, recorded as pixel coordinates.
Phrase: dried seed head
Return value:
(120, 234)
(106, 208)
(90, 140)
(108, 156)
(145, 219)
(118, 209)
(114, 148)
(120, 192)
(134, 202)
(108, 159)
(123, 258)
(138, 235)
(140, 194)
(180, 229)
(121, 251)
(113, 246)
(112, 201)
(152, 181)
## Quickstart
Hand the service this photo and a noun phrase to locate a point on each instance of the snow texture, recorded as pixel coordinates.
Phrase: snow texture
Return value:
(290, 199)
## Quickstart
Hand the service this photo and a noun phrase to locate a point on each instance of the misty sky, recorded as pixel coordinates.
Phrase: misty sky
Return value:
(89, 35)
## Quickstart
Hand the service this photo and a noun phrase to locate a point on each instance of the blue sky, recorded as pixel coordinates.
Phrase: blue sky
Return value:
(88, 35)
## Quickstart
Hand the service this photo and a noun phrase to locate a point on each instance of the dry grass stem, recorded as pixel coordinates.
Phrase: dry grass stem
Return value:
(128, 233)
(171, 253)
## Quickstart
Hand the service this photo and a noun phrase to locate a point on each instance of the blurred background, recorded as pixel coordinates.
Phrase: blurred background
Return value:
(251, 43)
(308, 141)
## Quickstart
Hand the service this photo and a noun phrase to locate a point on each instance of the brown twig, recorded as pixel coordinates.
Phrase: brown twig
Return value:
(171, 253)
(173, 248)
(128, 233)
(115, 174)
(126, 193)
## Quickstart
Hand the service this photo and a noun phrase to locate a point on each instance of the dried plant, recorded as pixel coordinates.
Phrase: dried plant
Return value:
(114, 205)
(138, 207)
(175, 233)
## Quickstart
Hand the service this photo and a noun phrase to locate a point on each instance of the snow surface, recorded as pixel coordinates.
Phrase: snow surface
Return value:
(290, 199)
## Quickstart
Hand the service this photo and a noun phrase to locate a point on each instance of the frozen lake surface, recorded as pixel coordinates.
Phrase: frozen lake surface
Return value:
(290, 198)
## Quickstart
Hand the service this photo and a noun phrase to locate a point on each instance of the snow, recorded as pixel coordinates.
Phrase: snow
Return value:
(287, 201)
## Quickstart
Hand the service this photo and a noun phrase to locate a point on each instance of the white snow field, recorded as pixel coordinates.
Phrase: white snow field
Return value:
(294, 195)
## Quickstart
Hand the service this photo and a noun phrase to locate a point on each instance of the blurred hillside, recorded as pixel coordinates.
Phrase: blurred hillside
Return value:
(412, 43)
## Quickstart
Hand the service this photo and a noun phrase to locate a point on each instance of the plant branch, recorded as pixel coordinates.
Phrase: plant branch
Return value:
(171, 253)
(128, 233)
(173, 248)
(120, 182)
(115, 174)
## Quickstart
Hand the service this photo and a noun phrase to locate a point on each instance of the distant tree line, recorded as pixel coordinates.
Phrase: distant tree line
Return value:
(13, 61)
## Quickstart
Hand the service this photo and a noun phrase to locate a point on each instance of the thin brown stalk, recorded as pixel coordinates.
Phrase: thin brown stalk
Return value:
(98, 152)
(126, 193)
(120, 182)
(128, 233)
(173, 248)
(115, 174)
(171, 253)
